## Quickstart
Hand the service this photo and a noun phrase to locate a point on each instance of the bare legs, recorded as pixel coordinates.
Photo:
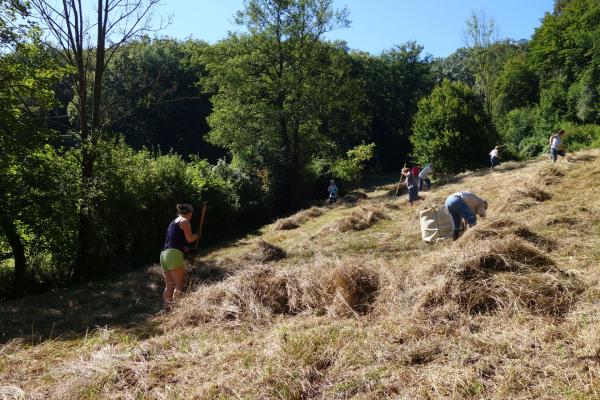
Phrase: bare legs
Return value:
(173, 285)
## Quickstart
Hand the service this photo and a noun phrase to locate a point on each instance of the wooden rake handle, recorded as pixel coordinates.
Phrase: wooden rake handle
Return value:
(202, 215)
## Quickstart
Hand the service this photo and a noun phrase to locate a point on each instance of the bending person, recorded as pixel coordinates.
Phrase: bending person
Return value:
(179, 233)
(464, 205)
(424, 176)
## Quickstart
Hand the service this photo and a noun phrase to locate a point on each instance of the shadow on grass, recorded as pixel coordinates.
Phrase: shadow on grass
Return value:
(128, 301)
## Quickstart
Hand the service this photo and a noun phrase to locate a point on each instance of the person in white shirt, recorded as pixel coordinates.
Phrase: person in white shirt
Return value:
(424, 176)
(494, 158)
(556, 146)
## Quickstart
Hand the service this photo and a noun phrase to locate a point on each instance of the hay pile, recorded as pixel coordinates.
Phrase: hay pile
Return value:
(286, 224)
(358, 220)
(353, 289)
(354, 197)
(505, 273)
(265, 252)
(300, 218)
(550, 175)
(502, 227)
(534, 192)
(525, 197)
(260, 293)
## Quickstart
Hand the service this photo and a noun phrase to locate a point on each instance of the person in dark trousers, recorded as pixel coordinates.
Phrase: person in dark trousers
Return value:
(179, 233)
(333, 192)
(411, 185)
(494, 156)
(424, 176)
(464, 206)
(556, 146)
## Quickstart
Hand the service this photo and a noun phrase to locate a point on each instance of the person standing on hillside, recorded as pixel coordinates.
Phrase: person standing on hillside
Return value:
(416, 170)
(411, 185)
(333, 192)
(556, 146)
(494, 158)
(179, 233)
(424, 176)
(464, 205)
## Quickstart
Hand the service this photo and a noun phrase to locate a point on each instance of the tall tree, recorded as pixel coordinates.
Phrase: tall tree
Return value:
(281, 92)
(26, 78)
(565, 51)
(394, 83)
(87, 40)
(481, 34)
(152, 86)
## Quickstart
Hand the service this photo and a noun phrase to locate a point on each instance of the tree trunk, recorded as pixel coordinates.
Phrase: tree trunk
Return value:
(18, 251)
(84, 234)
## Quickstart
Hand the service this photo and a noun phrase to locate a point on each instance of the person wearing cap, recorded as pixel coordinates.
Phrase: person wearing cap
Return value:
(411, 185)
(464, 206)
(556, 146)
(494, 158)
(424, 176)
(179, 233)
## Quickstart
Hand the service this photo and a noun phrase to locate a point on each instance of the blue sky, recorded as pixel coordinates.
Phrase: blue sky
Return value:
(377, 25)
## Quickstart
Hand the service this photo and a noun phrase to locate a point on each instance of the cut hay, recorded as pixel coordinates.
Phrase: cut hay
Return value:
(391, 206)
(502, 274)
(550, 175)
(358, 220)
(300, 218)
(255, 294)
(582, 157)
(260, 293)
(265, 252)
(354, 197)
(524, 198)
(353, 288)
(286, 224)
(535, 193)
(503, 227)
(312, 212)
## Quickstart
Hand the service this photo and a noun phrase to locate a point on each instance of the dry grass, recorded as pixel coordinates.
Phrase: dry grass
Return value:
(354, 196)
(501, 274)
(550, 175)
(359, 219)
(502, 227)
(265, 252)
(261, 292)
(298, 219)
(507, 312)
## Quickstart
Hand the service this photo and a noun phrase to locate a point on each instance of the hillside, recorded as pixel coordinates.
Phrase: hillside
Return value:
(357, 306)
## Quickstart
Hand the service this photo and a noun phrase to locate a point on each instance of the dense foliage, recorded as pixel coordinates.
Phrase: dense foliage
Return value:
(256, 124)
(451, 129)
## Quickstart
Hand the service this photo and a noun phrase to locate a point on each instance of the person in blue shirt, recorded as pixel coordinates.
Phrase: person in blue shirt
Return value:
(333, 192)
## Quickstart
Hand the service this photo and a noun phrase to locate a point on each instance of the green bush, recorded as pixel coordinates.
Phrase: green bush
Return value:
(579, 137)
(451, 129)
(134, 194)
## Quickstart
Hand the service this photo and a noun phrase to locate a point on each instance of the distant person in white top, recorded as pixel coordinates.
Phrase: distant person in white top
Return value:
(465, 205)
(494, 158)
(556, 146)
(424, 176)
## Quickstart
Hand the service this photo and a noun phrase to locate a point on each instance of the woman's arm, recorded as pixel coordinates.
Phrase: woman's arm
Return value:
(186, 227)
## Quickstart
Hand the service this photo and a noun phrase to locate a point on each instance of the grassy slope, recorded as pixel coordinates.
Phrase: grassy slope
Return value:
(397, 349)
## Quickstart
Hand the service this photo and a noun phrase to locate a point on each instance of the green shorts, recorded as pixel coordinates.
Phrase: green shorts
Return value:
(171, 259)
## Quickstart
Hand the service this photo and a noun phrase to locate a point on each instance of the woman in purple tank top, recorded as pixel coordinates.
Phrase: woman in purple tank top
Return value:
(179, 233)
